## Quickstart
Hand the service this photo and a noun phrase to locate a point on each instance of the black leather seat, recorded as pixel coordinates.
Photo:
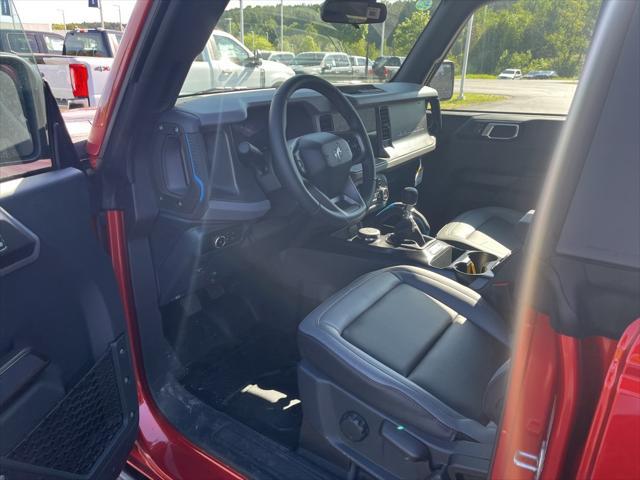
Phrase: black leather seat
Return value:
(489, 229)
(410, 346)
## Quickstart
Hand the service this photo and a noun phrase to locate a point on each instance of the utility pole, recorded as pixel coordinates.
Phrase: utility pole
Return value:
(64, 21)
(241, 21)
(281, 25)
(465, 58)
(119, 15)
(382, 39)
(101, 15)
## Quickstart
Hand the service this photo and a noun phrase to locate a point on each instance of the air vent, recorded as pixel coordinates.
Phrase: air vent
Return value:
(326, 123)
(385, 126)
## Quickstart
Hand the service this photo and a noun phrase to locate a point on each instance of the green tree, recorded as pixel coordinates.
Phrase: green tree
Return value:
(407, 32)
(254, 41)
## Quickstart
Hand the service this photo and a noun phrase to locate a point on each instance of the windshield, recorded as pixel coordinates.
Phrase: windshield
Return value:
(239, 55)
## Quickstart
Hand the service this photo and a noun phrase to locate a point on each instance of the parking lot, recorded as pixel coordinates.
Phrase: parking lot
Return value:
(527, 96)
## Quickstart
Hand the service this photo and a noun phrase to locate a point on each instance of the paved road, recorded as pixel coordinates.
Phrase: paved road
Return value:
(530, 96)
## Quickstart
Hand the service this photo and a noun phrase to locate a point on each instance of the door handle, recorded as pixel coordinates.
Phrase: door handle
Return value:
(501, 131)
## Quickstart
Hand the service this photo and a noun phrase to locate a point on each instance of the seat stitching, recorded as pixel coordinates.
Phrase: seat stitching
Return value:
(346, 291)
(424, 354)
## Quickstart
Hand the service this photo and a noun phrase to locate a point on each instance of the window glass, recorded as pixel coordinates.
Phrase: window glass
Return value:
(18, 119)
(54, 43)
(525, 56)
(313, 44)
(343, 61)
(86, 44)
(23, 43)
(115, 39)
(229, 49)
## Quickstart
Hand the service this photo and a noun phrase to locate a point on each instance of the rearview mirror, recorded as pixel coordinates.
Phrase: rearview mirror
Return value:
(442, 81)
(22, 111)
(353, 12)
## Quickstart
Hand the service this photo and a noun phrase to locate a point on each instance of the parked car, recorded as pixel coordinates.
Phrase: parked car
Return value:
(31, 41)
(76, 79)
(386, 67)
(276, 56)
(226, 63)
(510, 74)
(327, 64)
(362, 66)
(541, 75)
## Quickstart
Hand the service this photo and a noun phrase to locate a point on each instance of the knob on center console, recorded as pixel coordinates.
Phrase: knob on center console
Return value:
(368, 234)
(410, 196)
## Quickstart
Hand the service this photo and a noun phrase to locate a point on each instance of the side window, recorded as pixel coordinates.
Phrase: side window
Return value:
(343, 61)
(54, 43)
(22, 118)
(230, 50)
(23, 43)
(524, 56)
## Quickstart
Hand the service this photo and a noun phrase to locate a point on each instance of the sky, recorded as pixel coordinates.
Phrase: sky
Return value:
(48, 11)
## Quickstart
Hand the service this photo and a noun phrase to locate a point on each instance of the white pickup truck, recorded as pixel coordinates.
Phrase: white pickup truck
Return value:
(225, 63)
(78, 76)
(75, 66)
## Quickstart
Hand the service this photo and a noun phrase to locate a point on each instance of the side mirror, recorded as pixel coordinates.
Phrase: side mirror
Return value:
(353, 12)
(442, 81)
(255, 60)
(327, 67)
(22, 109)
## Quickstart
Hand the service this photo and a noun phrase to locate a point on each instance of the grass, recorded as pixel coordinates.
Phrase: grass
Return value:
(470, 99)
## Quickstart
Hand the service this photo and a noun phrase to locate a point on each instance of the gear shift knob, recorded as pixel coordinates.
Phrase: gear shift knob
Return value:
(410, 196)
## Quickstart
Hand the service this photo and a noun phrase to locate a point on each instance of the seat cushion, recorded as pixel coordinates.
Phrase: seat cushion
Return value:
(417, 345)
(489, 229)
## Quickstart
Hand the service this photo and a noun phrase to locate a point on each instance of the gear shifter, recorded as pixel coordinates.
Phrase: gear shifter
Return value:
(407, 230)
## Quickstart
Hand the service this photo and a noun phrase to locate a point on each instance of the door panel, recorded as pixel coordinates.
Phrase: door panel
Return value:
(68, 406)
(470, 170)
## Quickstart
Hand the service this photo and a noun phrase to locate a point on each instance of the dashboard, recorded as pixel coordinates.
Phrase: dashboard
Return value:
(211, 163)
(212, 151)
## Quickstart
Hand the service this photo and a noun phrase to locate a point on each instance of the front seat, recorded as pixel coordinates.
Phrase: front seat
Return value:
(489, 229)
(402, 372)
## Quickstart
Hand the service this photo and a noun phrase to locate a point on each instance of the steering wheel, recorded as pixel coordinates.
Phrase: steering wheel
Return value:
(316, 167)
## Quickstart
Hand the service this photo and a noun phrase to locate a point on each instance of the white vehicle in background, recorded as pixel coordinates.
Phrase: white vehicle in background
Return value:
(333, 66)
(362, 67)
(510, 74)
(276, 56)
(76, 66)
(225, 63)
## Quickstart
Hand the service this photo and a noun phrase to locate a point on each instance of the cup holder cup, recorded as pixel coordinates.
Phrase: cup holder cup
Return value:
(475, 264)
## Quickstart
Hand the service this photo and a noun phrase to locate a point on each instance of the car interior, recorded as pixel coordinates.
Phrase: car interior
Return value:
(323, 277)
(278, 256)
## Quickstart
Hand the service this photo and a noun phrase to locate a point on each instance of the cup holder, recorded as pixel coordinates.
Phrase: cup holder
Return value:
(475, 264)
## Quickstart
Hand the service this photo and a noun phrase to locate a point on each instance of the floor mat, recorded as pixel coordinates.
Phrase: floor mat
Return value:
(254, 381)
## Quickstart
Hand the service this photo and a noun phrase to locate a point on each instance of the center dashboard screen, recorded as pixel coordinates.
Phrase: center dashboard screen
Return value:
(407, 119)
(368, 116)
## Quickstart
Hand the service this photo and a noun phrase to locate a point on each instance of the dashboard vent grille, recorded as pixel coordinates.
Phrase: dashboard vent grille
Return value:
(385, 126)
(326, 123)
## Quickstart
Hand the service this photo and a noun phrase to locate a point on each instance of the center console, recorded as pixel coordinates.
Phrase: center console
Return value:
(400, 233)
(470, 267)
